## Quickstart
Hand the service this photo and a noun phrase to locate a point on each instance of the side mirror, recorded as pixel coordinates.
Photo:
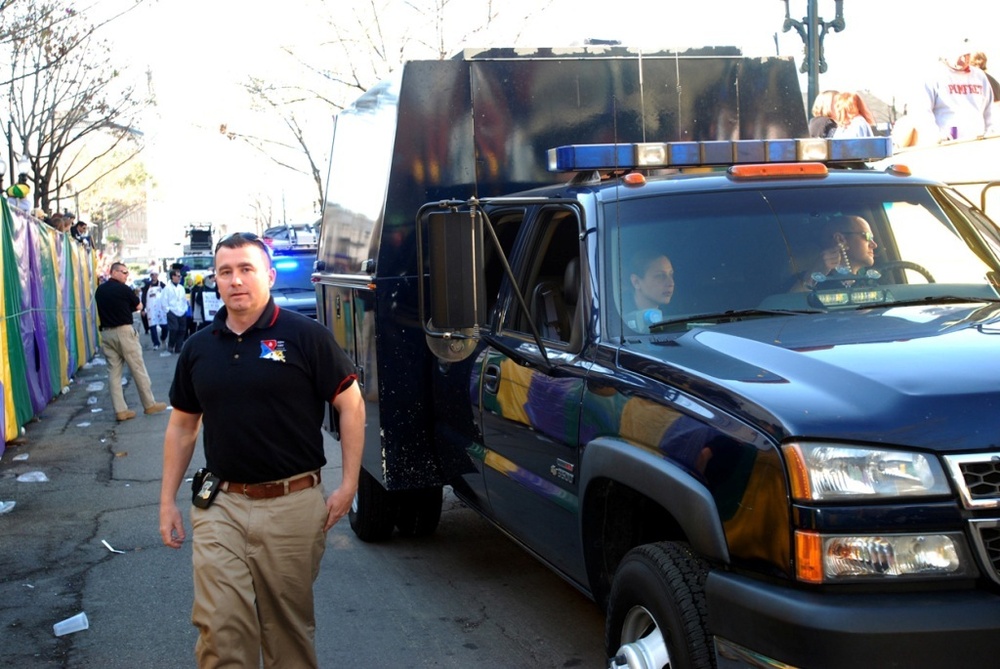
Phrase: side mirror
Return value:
(457, 282)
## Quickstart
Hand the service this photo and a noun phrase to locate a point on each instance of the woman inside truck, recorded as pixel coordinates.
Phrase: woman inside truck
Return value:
(652, 279)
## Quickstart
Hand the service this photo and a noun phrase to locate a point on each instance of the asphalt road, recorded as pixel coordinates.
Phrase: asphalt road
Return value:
(466, 596)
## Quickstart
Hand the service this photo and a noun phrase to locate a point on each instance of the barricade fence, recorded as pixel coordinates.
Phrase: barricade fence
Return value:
(48, 317)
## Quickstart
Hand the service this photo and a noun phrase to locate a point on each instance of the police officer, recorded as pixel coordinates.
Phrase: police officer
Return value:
(116, 304)
(259, 378)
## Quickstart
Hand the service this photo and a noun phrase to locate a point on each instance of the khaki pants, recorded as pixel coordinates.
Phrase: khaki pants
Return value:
(255, 562)
(121, 347)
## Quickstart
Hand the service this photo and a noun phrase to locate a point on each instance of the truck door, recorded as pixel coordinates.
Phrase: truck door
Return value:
(530, 417)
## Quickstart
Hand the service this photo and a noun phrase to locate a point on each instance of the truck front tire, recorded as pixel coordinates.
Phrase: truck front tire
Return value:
(657, 615)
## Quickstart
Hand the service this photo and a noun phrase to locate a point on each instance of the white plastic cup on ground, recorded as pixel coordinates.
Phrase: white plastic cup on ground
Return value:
(76, 623)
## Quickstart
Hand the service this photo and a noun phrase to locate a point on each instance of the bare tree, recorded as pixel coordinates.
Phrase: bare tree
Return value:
(112, 198)
(362, 50)
(294, 152)
(68, 111)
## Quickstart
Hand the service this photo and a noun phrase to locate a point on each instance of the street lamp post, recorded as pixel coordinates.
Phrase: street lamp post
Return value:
(3, 171)
(812, 29)
(10, 148)
(23, 167)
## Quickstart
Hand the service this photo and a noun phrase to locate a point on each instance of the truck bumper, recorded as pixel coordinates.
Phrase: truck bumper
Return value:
(764, 625)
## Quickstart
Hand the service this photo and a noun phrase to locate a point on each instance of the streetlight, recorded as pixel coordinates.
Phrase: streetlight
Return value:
(3, 171)
(23, 167)
(812, 29)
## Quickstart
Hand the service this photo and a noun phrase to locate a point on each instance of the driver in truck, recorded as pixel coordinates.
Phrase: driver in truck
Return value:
(847, 243)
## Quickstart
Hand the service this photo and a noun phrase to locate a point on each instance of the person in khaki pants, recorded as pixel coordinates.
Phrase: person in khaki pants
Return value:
(260, 379)
(116, 303)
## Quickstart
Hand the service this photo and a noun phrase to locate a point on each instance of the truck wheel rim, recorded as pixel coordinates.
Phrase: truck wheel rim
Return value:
(644, 646)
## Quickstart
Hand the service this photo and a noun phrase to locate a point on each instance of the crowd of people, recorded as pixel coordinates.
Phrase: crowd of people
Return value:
(65, 222)
(174, 310)
(955, 102)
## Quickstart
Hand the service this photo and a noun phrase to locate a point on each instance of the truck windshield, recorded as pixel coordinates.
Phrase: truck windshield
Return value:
(198, 262)
(793, 249)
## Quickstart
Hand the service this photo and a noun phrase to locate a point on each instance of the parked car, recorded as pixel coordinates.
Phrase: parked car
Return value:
(293, 286)
(291, 236)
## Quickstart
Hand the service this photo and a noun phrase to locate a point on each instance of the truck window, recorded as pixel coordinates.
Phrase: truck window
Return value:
(700, 254)
(506, 225)
(919, 234)
(202, 262)
(723, 251)
(549, 275)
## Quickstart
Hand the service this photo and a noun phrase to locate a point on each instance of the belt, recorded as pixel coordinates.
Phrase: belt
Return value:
(114, 327)
(272, 488)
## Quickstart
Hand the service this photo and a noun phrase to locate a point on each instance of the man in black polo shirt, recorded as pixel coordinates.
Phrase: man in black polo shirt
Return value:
(116, 303)
(259, 378)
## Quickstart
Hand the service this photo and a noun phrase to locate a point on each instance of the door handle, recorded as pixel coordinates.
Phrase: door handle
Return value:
(491, 378)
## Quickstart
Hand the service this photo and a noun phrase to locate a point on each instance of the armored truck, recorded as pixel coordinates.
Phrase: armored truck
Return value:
(735, 385)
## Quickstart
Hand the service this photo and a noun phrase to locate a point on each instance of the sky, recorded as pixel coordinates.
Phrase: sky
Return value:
(199, 52)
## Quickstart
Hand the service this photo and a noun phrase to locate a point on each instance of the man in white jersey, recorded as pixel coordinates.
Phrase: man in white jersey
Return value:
(956, 100)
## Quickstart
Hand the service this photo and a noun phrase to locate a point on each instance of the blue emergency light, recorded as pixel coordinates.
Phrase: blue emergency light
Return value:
(578, 157)
(280, 265)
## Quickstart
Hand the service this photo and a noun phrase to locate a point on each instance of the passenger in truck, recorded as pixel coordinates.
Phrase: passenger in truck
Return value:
(652, 279)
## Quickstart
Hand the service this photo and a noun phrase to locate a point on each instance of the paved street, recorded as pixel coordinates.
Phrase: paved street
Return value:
(466, 596)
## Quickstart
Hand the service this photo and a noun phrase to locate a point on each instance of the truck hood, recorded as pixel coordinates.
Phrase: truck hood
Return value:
(921, 376)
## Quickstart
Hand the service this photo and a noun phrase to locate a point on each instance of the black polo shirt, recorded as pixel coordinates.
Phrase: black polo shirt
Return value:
(116, 303)
(262, 394)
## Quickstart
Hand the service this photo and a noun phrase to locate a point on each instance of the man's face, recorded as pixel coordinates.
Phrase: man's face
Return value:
(244, 278)
(859, 242)
(175, 278)
(119, 273)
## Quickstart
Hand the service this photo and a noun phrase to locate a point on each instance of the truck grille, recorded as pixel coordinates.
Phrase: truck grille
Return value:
(983, 479)
(987, 536)
(977, 477)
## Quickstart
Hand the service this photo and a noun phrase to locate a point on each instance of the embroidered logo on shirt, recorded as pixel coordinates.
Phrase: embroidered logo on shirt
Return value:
(272, 349)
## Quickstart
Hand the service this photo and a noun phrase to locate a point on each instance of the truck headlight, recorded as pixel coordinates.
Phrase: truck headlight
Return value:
(824, 558)
(838, 472)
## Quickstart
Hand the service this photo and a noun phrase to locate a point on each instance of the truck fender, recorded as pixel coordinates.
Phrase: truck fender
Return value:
(667, 484)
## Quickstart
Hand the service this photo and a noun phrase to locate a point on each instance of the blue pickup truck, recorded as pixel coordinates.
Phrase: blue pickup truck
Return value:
(743, 393)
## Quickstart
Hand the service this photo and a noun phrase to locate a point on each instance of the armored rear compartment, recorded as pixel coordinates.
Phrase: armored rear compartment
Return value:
(479, 125)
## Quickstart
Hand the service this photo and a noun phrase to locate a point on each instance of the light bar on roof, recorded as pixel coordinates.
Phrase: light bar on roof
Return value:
(591, 157)
(577, 157)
